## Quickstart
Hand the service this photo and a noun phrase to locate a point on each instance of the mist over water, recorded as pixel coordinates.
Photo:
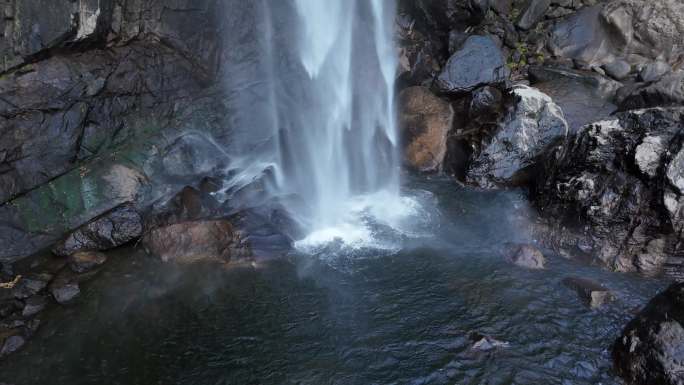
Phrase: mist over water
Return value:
(321, 123)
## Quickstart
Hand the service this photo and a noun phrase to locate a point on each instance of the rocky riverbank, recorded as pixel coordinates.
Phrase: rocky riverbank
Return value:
(577, 102)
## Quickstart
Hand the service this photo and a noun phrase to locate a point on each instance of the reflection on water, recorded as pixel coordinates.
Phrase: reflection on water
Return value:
(355, 317)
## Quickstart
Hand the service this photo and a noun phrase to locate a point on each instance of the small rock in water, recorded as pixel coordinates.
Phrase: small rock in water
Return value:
(33, 306)
(592, 293)
(526, 256)
(486, 343)
(65, 292)
(12, 344)
(85, 261)
(29, 286)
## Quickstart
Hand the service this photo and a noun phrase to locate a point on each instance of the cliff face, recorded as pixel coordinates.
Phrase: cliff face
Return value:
(93, 95)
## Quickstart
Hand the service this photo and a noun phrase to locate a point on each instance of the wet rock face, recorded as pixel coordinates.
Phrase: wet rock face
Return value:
(533, 124)
(614, 195)
(477, 63)
(112, 229)
(84, 82)
(649, 351)
(425, 122)
(196, 241)
(633, 30)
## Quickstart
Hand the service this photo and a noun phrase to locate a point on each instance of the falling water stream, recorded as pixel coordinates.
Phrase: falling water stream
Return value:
(335, 145)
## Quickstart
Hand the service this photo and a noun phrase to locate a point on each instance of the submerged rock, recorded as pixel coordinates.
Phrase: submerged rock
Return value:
(533, 124)
(486, 343)
(11, 345)
(425, 123)
(84, 261)
(196, 241)
(479, 62)
(114, 228)
(64, 291)
(651, 347)
(33, 306)
(592, 293)
(526, 256)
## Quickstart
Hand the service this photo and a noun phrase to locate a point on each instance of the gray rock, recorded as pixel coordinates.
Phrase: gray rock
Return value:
(675, 172)
(12, 344)
(626, 29)
(592, 293)
(668, 91)
(31, 285)
(654, 71)
(64, 291)
(618, 69)
(533, 13)
(479, 62)
(33, 306)
(649, 350)
(485, 103)
(582, 37)
(112, 229)
(653, 258)
(533, 123)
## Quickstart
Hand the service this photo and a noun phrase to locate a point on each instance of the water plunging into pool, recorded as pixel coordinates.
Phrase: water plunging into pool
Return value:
(328, 133)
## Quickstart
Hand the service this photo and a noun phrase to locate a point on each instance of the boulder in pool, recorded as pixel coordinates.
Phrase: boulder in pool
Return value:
(591, 293)
(196, 241)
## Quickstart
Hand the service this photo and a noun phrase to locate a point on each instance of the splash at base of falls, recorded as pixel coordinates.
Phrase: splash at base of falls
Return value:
(380, 221)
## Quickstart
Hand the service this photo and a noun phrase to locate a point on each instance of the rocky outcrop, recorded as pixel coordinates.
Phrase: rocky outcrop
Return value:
(478, 62)
(649, 351)
(614, 195)
(636, 31)
(533, 124)
(113, 229)
(425, 122)
(91, 93)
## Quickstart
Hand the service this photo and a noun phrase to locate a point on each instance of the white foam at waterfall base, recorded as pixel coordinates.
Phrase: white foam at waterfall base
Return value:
(377, 221)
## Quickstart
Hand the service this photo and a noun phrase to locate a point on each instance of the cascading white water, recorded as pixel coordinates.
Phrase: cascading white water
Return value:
(322, 117)
(349, 136)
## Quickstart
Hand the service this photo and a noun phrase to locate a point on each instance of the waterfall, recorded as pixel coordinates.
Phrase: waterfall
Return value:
(347, 142)
(322, 119)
